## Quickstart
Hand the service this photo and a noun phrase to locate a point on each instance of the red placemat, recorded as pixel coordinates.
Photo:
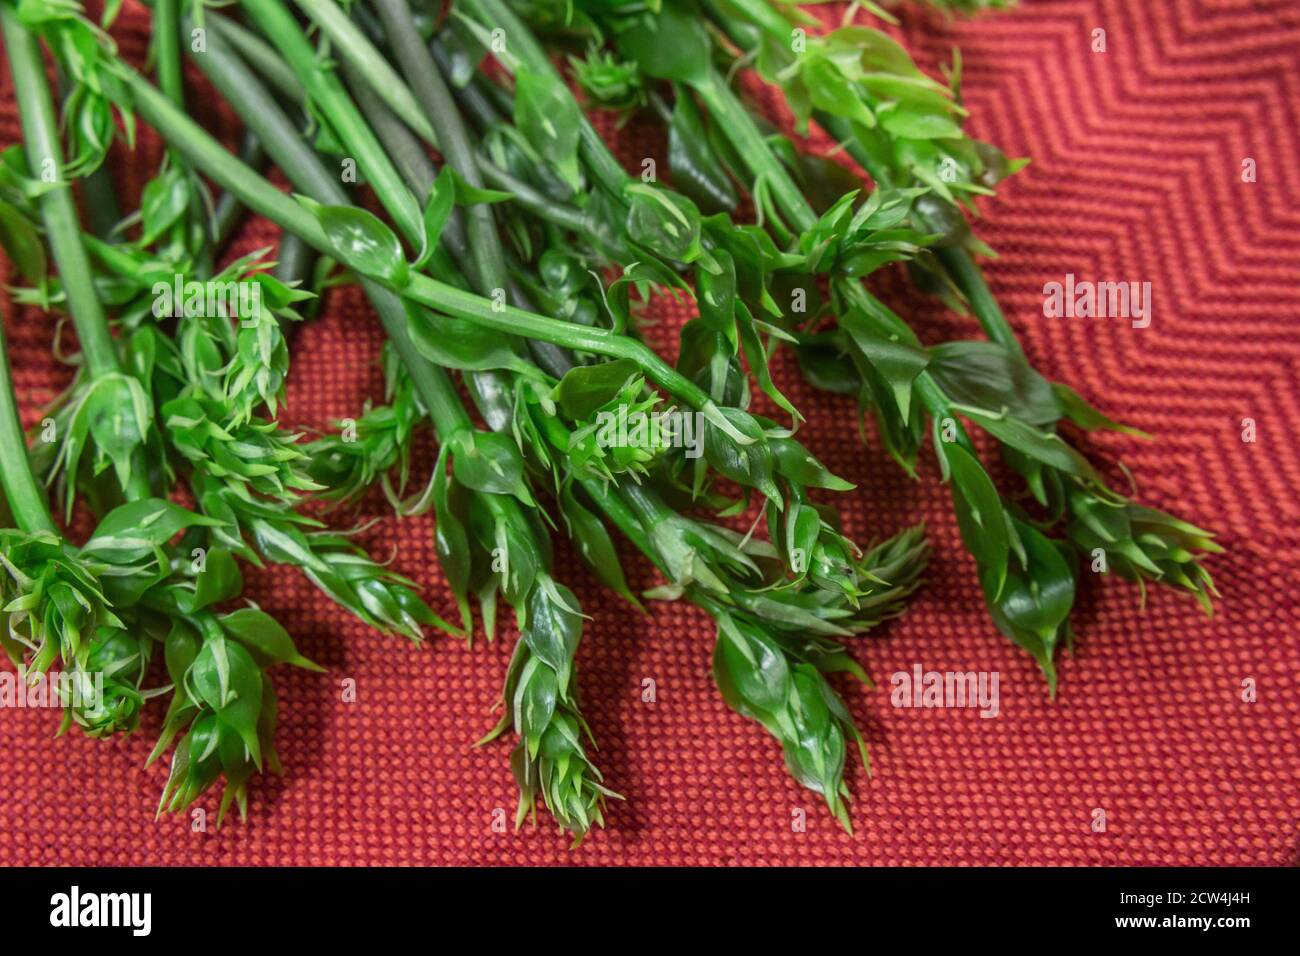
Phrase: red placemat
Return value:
(1138, 156)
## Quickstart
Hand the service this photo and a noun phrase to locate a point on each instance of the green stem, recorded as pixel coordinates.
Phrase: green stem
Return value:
(626, 506)
(482, 246)
(166, 46)
(293, 259)
(419, 173)
(408, 153)
(258, 54)
(58, 208)
(431, 93)
(431, 381)
(963, 270)
(295, 264)
(348, 38)
(478, 98)
(512, 321)
(26, 501)
(542, 206)
(228, 209)
(326, 90)
(729, 113)
(623, 517)
(166, 26)
(404, 149)
(227, 171)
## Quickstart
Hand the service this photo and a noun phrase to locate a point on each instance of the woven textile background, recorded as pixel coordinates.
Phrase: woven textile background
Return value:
(1136, 175)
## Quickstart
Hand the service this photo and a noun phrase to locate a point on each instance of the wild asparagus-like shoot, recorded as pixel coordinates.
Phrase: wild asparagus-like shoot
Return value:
(109, 420)
(102, 610)
(491, 539)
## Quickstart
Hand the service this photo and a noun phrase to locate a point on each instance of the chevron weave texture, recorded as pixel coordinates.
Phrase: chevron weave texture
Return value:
(1137, 175)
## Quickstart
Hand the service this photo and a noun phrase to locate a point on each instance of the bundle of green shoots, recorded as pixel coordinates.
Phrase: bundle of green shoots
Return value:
(519, 267)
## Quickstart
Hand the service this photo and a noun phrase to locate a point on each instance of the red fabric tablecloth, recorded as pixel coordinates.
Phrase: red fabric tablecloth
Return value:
(1137, 166)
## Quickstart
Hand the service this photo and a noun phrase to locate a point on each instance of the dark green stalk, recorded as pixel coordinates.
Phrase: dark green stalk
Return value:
(541, 206)
(99, 196)
(431, 381)
(970, 279)
(258, 54)
(295, 262)
(26, 501)
(228, 209)
(421, 72)
(58, 208)
(403, 148)
(326, 89)
(407, 152)
(167, 54)
(487, 258)
(223, 168)
(293, 259)
(474, 97)
(353, 44)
